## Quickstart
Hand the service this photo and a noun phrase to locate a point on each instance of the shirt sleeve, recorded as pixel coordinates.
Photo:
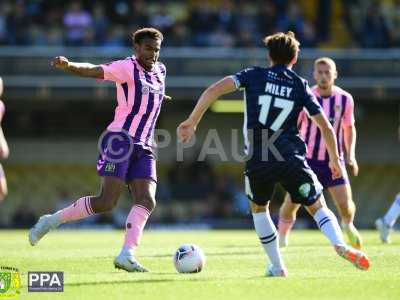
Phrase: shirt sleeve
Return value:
(348, 116)
(116, 71)
(310, 102)
(241, 78)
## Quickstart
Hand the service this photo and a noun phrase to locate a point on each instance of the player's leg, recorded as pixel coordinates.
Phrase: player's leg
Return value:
(3, 184)
(143, 191)
(304, 188)
(385, 224)
(142, 184)
(259, 194)
(342, 197)
(82, 208)
(329, 226)
(287, 217)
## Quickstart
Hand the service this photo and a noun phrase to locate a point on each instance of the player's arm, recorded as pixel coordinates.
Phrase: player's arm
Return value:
(350, 137)
(4, 150)
(329, 137)
(80, 69)
(187, 128)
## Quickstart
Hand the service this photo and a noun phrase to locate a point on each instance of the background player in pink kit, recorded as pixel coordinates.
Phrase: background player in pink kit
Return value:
(126, 155)
(4, 150)
(338, 106)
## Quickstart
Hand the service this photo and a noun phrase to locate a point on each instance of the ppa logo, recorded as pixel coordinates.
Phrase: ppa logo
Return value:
(45, 281)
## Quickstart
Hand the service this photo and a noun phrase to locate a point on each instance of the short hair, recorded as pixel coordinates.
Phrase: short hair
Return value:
(282, 47)
(325, 61)
(139, 35)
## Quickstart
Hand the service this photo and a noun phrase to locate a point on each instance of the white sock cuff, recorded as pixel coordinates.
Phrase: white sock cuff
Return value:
(322, 216)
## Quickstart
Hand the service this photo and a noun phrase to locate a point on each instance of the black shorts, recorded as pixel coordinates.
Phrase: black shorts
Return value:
(295, 176)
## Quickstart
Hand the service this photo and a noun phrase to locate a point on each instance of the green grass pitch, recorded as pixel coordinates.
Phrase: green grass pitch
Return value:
(234, 269)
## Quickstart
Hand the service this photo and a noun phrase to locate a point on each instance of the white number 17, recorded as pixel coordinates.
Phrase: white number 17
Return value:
(265, 102)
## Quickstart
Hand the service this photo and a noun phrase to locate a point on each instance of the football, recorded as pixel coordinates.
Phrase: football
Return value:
(189, 259)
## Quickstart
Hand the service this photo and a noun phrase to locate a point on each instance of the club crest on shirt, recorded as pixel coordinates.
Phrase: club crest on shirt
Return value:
(338, 108)
(145, 89)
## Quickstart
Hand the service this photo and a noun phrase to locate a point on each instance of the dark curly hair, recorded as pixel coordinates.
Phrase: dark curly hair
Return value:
(139, 35)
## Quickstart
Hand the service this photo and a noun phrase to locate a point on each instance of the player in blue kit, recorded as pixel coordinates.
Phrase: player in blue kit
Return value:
(274, 97)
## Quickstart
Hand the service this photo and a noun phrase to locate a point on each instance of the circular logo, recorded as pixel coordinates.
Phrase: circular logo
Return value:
(115, 147)
(305, 189)
(145, 90)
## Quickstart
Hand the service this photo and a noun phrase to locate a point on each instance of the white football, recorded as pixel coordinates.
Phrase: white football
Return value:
(189, 259)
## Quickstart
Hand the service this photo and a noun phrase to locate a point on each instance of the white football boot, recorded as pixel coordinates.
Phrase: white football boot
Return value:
(275, 272)
(127, 261)
(42, 227)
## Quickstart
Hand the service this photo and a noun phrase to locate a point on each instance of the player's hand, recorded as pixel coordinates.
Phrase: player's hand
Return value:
(186, 130)
(353, 165)
(60, 62)
(336, 168)
(167, 98)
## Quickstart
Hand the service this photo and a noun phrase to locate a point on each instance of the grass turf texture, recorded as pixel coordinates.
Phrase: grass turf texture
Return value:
(234, 270)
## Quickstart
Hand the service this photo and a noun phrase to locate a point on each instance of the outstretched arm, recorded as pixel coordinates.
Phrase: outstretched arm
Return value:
(80, 69)
(329, 137)
(187, 128)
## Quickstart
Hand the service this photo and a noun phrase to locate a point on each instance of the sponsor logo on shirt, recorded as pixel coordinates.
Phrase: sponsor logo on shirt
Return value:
(147, 88)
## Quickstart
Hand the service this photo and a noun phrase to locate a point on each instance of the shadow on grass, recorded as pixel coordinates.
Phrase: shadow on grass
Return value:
(134, 281)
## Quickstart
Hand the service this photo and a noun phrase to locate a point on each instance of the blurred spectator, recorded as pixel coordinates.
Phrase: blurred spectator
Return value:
(100, 23)
(322, 23)
(225, 23)
(54, 36)
(375, 32)
(179, 36)
(115, 37)
(162, 20)
(293, 20)
(247, 23)
(392, 15)
(18, 25)
(139, 17)
(221, 38)
(4, 11)
(37, 36)
(77, 22)
(267, 17)
(226, 17)
(201, 22)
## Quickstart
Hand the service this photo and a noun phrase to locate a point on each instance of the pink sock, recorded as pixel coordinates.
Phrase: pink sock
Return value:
(80, 209)
(284, 226)
(135, 222)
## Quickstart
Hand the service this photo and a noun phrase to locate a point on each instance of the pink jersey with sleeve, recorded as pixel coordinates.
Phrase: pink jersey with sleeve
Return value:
(139, 94)
(339, 109)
